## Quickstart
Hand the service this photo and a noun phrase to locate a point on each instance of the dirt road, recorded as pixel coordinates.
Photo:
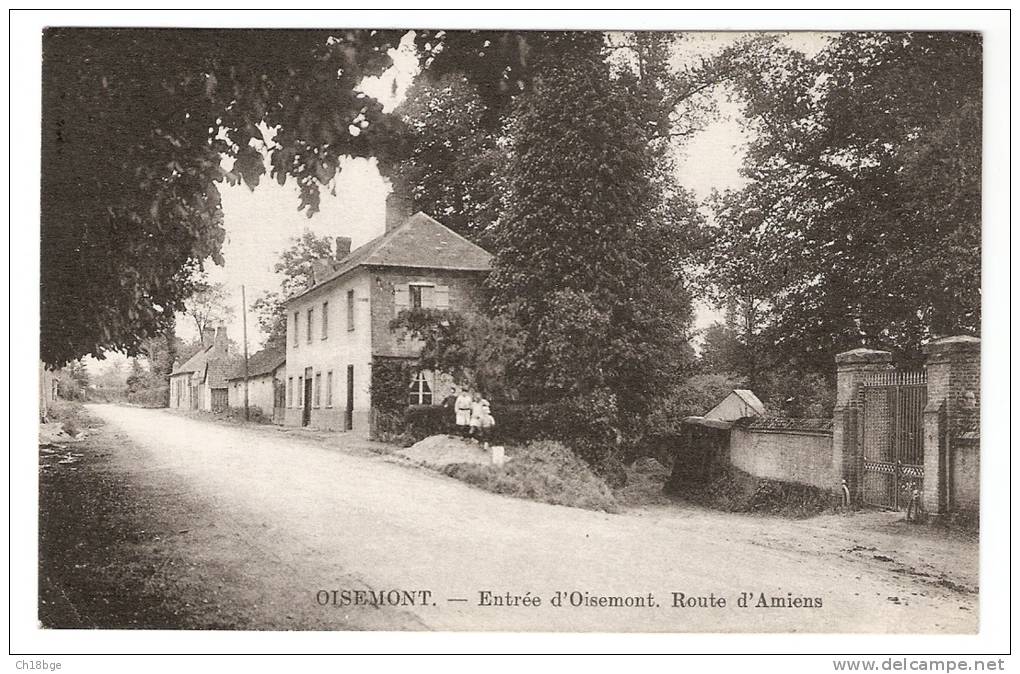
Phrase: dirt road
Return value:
(264, 524)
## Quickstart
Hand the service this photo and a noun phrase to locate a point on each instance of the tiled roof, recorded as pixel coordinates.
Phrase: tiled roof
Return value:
(196, 363)
(419, 241)
(220, 369)
(264, 362)
(785, 424)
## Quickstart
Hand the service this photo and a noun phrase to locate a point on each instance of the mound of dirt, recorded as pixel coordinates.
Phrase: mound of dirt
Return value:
(438, 451)
(645, 480)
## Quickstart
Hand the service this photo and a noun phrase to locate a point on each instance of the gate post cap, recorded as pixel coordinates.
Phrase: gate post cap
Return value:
(863, 355)
(957, 343)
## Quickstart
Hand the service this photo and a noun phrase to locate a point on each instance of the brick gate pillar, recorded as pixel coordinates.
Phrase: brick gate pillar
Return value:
(851, 369)
(951, 424)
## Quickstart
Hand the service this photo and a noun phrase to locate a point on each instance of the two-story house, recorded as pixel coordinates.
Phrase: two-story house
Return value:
(340, 325)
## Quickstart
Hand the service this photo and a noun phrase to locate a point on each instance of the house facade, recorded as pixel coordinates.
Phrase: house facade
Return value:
(266, 374)
(339, 326)
(200, 383)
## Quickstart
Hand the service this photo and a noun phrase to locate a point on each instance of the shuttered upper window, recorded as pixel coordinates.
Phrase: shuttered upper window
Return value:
(419, 295)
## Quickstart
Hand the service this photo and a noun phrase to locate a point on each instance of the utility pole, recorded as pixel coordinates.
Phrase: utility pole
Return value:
(244, 329)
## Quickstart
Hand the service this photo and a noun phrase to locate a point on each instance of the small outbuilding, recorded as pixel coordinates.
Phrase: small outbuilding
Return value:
(266, 373)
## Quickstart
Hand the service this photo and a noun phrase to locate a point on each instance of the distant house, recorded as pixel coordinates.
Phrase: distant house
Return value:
(266, 375)
(200, 383)
(340, 326)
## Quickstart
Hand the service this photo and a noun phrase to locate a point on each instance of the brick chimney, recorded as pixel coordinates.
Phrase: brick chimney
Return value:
(398, 203)
(208, 336)
(343, 247)
(221, 339)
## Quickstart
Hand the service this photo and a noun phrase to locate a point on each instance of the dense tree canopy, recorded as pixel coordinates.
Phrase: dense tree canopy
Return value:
(582, 261)
(861, 222)
(453, 156)
(136, 125)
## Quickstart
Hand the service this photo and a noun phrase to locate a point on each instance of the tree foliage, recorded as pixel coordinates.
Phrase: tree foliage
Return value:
(297, 263)
(453, 155)
(297, 266)
(207, 307)
(861, 221)
(584, 260)
(477, 350)
(140, 126)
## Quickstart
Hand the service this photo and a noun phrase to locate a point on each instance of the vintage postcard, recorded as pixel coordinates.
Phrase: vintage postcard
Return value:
(505, 330)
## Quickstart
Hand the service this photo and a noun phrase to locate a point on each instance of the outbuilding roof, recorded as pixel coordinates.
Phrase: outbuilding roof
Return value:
(420, 242)
(196, 363)
(221, 368)
(264, 362)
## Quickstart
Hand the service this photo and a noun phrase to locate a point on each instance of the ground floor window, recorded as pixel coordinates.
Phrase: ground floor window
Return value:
(318, 389)
(421, 392)
(329, 389)
(290, 392)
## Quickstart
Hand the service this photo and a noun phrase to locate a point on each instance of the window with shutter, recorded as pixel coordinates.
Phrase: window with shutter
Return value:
(442, 297)
(401, 299)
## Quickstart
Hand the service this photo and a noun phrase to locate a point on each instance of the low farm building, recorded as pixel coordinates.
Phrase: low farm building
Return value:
(266, 373)
(200, 383)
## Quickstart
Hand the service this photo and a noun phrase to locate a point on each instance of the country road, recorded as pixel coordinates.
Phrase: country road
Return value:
(259, 521)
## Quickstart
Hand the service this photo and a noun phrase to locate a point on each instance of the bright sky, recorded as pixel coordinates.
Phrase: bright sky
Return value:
(261, 223)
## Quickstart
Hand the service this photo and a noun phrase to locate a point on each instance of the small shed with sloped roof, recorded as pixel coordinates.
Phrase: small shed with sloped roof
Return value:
(265, 376)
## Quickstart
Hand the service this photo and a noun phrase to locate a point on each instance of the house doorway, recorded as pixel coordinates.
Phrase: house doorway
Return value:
(349, 412)
(306, 413)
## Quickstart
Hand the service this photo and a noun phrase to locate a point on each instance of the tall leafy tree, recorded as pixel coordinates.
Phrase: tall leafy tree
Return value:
(208, 306)
(452, 154)
(583, 260)
(297, 267)
(140, 126)
(861, 221)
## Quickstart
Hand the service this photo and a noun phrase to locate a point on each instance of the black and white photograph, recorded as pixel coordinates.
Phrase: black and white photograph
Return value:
(611, 329)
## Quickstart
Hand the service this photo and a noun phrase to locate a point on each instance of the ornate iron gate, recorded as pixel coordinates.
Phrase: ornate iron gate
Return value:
(892, 437)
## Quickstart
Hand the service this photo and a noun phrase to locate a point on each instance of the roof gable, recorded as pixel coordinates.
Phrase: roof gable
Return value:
(196, 363)
(739, 404)
(420, 241)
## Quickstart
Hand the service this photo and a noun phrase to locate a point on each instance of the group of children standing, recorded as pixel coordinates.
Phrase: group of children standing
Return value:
(473, 415)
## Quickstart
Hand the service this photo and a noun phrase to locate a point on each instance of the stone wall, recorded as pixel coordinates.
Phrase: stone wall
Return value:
(789, 450)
